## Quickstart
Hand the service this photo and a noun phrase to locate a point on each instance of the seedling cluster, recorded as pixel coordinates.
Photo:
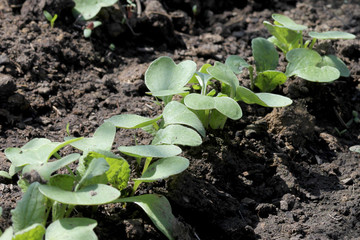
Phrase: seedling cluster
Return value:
(207, 98)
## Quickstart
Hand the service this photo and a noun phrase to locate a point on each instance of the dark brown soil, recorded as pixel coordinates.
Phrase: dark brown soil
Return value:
(275, 174)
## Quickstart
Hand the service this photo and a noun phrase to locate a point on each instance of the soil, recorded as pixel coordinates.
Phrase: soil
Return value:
(282, 173)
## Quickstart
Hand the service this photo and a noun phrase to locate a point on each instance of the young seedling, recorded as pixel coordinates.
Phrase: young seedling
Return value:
(266, 60)
(50, 18)
(89, 27)
(303, 60)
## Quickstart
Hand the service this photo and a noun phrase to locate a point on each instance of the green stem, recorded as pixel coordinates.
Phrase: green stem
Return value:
(69, 210)
(206, 118)
(312, 43)
(146, 165)
(136, 185)
(251, 74)
(57, 155)
(156, 126)
(70, 171)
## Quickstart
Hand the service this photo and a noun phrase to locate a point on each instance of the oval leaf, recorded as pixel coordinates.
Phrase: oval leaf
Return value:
(333, 61)
(178, 135)
(236, 63)
(229, 107)
(158, 208)
(177, 113)
(89, 8)
(267, 81)
(288, 22)
(157, 151)
(223, 73)
(199, 102)
(301, 58)
(332, 35)
(318, 74)
(90, 195)
(164, 168)
(265, 55)
(164, 74)
(131, 121)
(72, 228)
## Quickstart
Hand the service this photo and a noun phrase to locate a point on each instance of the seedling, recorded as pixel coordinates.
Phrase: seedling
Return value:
(88, 9)
(50, 18)
(89, 27)
(303, 60)
(266, 60)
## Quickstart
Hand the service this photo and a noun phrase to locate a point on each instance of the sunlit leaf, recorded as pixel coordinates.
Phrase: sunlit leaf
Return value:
(288, 22)
(178, 135)
(267, 81)
(265, 55)
(236, 63)
(332, 35)
(157, 151)
(131, 121)
(89, 8)
(72, 228)
(33, 232)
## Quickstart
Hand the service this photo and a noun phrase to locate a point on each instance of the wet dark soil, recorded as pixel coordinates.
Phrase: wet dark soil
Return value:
(275, 174)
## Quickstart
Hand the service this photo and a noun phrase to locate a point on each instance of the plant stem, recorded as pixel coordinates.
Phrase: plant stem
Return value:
(70, 171)
(312, 43)
(69, 210)
(57, 155)
(136, 185)
(147, 163)
(251, 74)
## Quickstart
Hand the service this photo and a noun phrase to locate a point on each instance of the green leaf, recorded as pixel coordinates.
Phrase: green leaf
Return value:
(177, 113)
(119, 172)
(87, 32)
(8, 234)
(37, 151)
(236, 63)
(286, 39)
(158, 208)
(164, 168)
(95, 172)
(90, 8)
(224, 73)
(164, 74)
(203, 79)
(301, 58)
(33, 232)
(333, 61)
(263, 99)
(217, 119)
(203, 69)
(288, 22)
(157, 151)
(199, 102)
(5, 174)
(72, 228)
(229, 107)
(30, 209)
(331, 35)
(355, 148)
(178, 135)
(267, 81)
(265, 55)
(102, 140)
(132, 121)
(90, 195)
(47, 15)
(317, 74)
(63, 181)
(45, 170)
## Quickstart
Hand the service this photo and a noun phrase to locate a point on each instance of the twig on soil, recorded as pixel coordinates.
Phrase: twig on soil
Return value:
(197, 237)
(340, 118)
(57, 111)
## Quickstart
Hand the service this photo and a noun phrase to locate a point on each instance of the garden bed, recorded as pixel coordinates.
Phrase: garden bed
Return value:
(284, 173)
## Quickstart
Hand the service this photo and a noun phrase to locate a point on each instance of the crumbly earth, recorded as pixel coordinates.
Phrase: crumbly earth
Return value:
(275, 174)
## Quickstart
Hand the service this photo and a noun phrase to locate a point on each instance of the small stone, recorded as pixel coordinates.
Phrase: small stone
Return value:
(284, 205)
(347, 181)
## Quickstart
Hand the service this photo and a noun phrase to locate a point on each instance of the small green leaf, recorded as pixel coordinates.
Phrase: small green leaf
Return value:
(87, 32)
(178, 135)
(90, 8)
(33, 232)
(236, 63)
(102, 140)
(265, 55)
(331, 35)
(90, 195)
(163, 74)
(177, 113)
(132, 121)
(263, 99)
(267, 81)
(157, 151)
(199, 102)
(95, 172)
(203, 69)
(224, 73)
(63, 181)
(37, 151)
(30, 209)
(164, 168)
(158, 208)
(72, 228)
(5, 174)
(301, 58)
(355, 148)
(333, 61)
(47, 15)
(288, 22)
(228, 106)
(45, 170)
(318, 74)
